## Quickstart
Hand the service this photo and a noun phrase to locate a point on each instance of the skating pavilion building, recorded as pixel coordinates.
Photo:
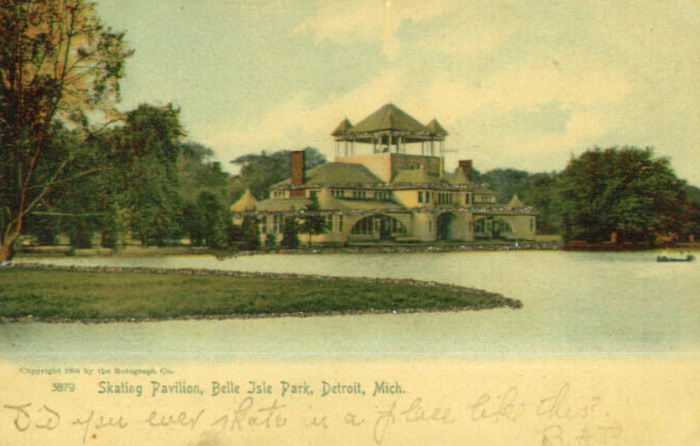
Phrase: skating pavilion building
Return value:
(388, 182)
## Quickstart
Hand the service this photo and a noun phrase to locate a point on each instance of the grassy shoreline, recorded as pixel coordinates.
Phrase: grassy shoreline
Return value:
(407, 248)
(35, 292)
(357, 248)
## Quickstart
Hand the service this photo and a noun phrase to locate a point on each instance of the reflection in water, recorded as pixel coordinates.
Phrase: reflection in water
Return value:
(575, 303)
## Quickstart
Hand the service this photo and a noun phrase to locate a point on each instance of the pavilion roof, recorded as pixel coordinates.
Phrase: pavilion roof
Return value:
(436, 129)
(344, 126)
(389, 117)
(247, 202)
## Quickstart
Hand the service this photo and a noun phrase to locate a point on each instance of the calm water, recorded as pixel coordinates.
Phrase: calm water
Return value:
(575, 303)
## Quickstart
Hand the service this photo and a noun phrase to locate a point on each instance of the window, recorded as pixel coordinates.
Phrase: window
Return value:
(338, 193)
(430, 225)
(313, 193)
(420, 196)
(444, 197)
(427, 196)
(382, 224)
(340, 222)
(364, 226)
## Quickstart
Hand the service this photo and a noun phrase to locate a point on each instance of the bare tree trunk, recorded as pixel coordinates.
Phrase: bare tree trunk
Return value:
(6, 249)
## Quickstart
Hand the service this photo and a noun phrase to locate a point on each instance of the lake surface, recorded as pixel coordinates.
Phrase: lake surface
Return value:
(575, 303)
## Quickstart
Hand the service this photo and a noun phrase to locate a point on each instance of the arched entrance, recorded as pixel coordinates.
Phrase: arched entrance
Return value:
(445, 222)
(380, 226)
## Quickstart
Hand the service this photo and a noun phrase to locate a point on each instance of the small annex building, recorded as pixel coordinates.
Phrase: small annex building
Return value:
(388, 182)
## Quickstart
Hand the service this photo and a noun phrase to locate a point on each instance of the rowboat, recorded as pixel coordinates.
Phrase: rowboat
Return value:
(687, 258)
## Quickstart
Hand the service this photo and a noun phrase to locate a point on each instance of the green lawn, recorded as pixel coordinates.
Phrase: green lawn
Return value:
(56, 294)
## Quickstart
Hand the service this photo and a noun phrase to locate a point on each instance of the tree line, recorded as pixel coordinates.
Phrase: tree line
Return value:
(141, 181)
(623, 190)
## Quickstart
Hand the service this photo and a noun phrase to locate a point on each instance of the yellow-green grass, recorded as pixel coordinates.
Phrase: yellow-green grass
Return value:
(54, 294)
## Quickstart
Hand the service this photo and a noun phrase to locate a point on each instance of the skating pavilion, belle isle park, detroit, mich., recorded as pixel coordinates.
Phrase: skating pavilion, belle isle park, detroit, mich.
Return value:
(388, 183)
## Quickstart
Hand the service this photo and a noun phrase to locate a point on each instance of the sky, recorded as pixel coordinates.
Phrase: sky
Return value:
(517, 84)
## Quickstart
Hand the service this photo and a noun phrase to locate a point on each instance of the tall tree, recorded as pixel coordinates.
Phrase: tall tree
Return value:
(290, 233)
(198, 172)
(505, 182)
(145, 151)
(313, 223)
(624, 190)
(216, 218)
(250, 233)
(541, 192)
(57, 62)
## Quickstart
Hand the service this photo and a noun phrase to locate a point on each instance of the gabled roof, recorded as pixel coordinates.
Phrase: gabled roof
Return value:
(389, 117)
(436, 129)
(344, 126)
(338, 174)
(515, 202)
(247, 202)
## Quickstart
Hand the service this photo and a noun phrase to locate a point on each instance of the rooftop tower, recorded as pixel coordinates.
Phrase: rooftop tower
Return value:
(390, 130)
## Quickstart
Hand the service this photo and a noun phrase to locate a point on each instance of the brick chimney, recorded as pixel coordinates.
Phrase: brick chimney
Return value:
(296, 167)
(466, 167)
